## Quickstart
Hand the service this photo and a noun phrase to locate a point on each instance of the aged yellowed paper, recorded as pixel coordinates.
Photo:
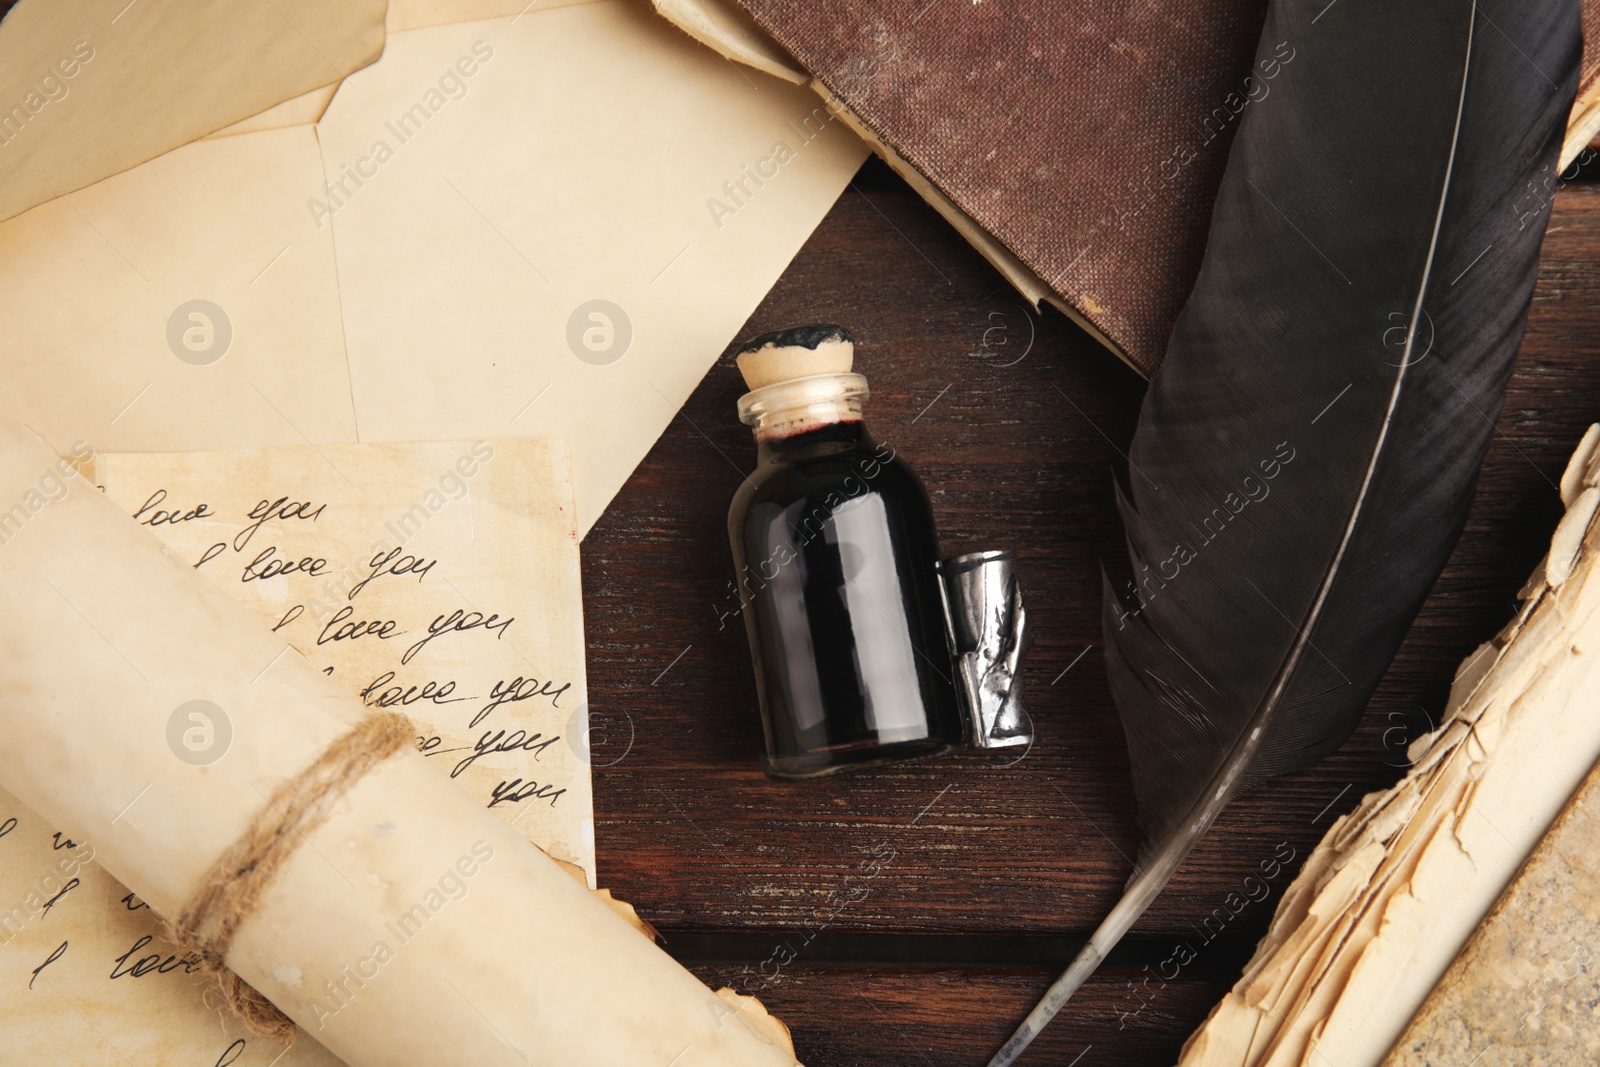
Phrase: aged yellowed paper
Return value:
(91, 88)
(438, 580)
(553, 224)
(186, 304)
(547, 223)
(1385, 903)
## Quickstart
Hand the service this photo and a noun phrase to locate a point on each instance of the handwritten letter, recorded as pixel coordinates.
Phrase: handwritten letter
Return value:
(436, 580)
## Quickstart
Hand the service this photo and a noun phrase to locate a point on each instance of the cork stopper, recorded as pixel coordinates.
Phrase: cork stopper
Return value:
(796, 353)
(800, 380)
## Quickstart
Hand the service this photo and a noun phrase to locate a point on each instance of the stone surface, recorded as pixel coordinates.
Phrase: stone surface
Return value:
(1524, 991)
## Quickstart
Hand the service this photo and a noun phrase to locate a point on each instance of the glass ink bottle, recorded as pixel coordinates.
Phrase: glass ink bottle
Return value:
(836, 561)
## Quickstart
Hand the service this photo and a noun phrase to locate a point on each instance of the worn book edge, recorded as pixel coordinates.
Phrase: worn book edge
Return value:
(727, 29)
(1525, 983)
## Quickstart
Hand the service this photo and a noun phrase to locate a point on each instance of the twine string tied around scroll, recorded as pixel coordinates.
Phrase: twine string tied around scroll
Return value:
(234, 885)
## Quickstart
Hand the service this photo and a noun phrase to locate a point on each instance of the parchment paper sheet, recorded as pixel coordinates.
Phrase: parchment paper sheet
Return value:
(364, 938)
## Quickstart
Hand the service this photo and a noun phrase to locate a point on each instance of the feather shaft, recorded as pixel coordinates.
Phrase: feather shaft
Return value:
(1214, 693)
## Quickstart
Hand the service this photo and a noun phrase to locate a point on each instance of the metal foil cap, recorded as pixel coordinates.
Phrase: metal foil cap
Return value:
(988, 630)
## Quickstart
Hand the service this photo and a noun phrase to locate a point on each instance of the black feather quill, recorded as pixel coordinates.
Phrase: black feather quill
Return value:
(1306, 454)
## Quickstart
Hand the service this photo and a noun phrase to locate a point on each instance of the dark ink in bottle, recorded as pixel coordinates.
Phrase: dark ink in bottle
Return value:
(835, 554)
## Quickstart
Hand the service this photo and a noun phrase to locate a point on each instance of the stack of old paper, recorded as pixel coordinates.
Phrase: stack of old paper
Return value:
(1386, 902)
(92, 88)
(524, 220)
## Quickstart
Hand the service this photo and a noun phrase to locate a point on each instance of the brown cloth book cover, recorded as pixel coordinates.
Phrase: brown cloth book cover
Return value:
(1586, 114)
(1088, 139)
(1079, 146)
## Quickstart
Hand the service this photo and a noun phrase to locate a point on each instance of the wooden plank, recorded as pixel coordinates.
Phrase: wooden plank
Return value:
(933, 1017)
(1016, 455)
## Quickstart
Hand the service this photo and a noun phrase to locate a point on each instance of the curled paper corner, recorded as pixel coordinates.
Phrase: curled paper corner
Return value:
(731, 31)
(628, 912)
(1581, 469)
(1578, 480)
(625, 911)
(755, 1015)
(1567, 541)
(750, 1009)
(1537, 583)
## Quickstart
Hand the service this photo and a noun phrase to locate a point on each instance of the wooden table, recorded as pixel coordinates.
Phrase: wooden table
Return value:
(913, 915)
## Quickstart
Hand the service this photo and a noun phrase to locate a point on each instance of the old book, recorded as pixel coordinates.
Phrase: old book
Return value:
(1522, 993)
(1080, 153)
(1585, 127)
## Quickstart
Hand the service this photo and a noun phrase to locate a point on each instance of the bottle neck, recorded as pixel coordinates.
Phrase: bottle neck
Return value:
(833, 437)
(802, 405)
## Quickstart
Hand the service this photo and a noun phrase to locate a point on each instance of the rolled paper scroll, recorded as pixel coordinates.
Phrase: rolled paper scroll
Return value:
(404, 924)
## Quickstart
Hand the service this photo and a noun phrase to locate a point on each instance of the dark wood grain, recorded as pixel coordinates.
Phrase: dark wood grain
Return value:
(988, 853)
(917, 1017)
